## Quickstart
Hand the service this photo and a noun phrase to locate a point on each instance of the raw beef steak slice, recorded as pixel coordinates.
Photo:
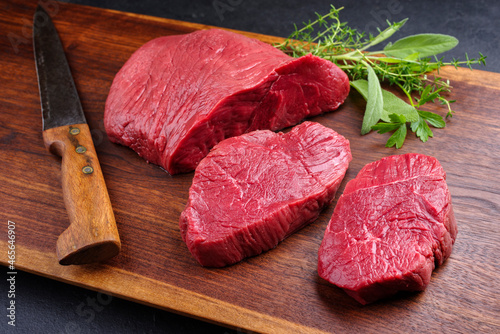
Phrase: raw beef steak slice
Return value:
(392, 225)
(251, 192)
(177, 96)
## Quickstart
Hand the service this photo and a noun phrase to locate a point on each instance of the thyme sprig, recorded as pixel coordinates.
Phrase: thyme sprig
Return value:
(405, 64)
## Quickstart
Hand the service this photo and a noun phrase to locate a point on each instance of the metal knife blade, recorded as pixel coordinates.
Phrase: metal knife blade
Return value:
(59, 98)
(92, 235)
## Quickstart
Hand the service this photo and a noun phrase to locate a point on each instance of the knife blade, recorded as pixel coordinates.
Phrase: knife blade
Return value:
(92, 235)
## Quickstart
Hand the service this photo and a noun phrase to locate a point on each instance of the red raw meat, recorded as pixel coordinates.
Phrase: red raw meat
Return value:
(253, 191)
(177, 96)
(392, 225)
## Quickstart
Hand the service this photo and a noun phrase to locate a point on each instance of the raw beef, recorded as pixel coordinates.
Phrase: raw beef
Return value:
(391, 226)
(177, 96)
(251, 192)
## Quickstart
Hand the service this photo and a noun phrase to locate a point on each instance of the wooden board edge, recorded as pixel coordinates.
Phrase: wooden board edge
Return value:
(126, 285)
(189, 26)
(487, 78)
(461, 72)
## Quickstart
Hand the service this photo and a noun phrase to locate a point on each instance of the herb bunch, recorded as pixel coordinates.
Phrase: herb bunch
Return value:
(404, 63)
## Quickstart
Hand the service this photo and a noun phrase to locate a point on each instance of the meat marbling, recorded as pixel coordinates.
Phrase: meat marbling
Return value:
(390, 228)
(177, 96)
(252, 191)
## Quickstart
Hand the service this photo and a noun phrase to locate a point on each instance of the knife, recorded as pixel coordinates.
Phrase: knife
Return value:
(92, 235)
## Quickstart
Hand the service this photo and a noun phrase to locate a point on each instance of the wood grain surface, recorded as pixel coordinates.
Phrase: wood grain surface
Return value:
(276, 292)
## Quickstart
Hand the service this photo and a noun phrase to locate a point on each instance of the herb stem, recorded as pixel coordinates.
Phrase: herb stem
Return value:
(404, 64)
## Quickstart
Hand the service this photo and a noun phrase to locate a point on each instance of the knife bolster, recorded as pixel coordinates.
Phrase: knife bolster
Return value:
(92, 235)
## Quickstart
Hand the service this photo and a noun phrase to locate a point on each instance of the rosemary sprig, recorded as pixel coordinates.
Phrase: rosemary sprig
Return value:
(404, 64)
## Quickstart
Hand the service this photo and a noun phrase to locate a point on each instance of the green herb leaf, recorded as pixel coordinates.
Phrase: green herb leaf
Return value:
(383, 35)
(424, 44)
(428, 96)
(434, 119)
(398, 137)
(382, 127)
(374, 102)
(390, 60)
(395, 105)
(413, 56)
(395, 118)
(392, 103)
(421, 129)
(403, 64)
(398, 123)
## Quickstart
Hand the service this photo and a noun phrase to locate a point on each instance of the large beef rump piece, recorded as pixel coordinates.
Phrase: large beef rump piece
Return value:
(177, 96)
(251, 192)
(390, 228)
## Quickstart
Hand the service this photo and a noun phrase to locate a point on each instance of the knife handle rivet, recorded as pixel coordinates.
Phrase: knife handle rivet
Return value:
(87, 170)
(80, 149)
(74, 131)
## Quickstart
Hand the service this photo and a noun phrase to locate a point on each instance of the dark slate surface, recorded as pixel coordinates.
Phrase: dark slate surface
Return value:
(47, 306)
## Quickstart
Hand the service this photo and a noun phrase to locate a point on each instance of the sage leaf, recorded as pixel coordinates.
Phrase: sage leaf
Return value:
(424, 44)
(412, 57)
(390, 60)
(404, 63)
(374, 102)
(392, 103)
(395, 105)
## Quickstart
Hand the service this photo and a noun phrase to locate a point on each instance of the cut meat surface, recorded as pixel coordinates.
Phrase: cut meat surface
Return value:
(177, 96)
(251, 192)
(392, 225)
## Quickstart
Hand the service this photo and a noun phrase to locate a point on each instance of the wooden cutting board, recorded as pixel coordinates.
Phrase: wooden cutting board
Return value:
(278, 291)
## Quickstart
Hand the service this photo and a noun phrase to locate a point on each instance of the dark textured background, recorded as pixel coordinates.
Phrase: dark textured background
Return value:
(47, 306)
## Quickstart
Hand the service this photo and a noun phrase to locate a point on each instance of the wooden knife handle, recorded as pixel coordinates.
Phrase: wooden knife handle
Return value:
(92, 235)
